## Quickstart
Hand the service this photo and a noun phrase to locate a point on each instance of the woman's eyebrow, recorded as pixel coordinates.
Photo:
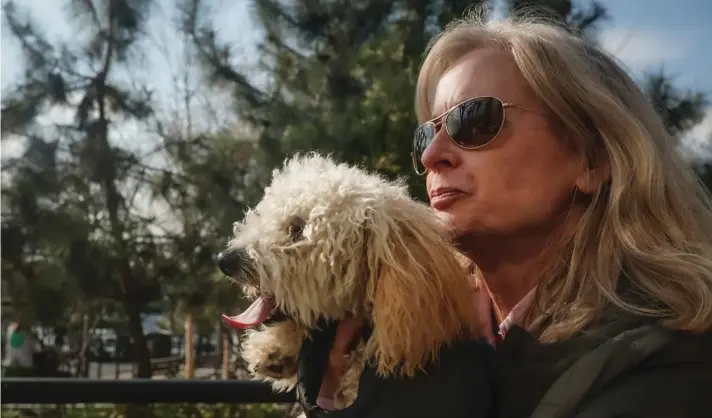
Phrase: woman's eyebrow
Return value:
(448, 105)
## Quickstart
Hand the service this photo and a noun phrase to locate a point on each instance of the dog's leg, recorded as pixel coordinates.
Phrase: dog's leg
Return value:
(348, 390)
(271, 353)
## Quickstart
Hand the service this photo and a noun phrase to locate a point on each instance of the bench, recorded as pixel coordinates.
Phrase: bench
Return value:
(169, 365)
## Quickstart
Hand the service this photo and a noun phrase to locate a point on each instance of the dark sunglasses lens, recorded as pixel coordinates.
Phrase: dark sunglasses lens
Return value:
(421, 139)
(476, 122)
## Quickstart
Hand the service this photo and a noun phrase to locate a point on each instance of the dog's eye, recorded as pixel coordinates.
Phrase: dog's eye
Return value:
(296, 229)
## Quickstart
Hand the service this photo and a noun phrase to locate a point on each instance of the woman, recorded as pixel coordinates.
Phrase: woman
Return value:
(591, 237)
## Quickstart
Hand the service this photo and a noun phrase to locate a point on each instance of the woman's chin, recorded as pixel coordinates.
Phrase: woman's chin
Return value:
(452, 222)
(463, 225)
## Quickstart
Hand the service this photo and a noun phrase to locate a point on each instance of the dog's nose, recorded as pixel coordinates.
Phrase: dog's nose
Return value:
(230, 261)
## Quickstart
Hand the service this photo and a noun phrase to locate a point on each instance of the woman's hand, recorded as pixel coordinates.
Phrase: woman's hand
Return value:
(347, 334)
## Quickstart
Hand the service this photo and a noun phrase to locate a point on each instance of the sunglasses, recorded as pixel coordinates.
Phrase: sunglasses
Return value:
(472, 124)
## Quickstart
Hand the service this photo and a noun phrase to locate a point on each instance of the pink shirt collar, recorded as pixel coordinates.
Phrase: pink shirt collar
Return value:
(515, 317)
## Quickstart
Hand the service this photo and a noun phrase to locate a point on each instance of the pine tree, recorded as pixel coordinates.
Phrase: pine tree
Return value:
(341, 77)
(84, 78)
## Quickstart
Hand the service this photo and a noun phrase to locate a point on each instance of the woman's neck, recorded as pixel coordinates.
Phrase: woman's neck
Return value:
(508, 275)
(507, 287)
(513, 264)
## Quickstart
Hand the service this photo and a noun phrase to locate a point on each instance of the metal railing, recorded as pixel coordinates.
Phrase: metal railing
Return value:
(137, 391)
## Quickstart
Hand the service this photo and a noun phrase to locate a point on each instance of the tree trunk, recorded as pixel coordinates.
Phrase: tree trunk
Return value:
(107, 173)
(189, 368)
(83, 360)
(135, 325)
(128, 281)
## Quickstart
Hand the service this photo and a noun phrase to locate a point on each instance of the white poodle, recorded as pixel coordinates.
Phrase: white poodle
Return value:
(329, 240)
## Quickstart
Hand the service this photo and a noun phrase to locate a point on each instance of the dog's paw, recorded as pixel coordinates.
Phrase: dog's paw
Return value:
(348, 389)
(271, 353)
(276, 365)
(276, 368)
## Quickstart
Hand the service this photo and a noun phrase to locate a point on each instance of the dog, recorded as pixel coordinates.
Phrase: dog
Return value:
(329, 240)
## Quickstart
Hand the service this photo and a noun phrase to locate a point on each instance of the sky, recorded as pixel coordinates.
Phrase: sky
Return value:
(644, 34)
(676, 36)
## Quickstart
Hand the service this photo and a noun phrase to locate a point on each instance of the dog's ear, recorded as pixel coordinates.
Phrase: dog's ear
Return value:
(418, 290)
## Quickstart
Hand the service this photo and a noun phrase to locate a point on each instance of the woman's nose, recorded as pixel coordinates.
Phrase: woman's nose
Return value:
(441, 153)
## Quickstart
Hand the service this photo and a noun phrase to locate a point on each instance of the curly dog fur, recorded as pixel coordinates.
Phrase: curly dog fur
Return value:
(328, 240)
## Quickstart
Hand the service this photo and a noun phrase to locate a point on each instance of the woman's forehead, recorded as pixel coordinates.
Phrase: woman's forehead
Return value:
(483, 72)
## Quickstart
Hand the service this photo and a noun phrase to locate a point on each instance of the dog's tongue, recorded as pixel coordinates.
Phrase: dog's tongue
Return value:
(257, 313)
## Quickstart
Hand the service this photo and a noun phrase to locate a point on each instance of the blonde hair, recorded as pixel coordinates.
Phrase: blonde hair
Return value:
(652, 222)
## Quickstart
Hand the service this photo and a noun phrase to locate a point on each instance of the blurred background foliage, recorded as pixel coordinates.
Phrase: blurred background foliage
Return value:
(117, 195)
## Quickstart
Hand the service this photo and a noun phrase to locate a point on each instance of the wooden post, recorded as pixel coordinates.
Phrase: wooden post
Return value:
(225, 342)
(189, 368)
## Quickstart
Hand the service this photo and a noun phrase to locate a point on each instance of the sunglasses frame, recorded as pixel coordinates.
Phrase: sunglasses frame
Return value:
(443, 117)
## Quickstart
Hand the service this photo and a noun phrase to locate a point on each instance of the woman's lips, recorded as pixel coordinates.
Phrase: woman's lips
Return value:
(443, 198)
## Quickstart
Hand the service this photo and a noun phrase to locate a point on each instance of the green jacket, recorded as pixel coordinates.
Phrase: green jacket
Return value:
(624, 366)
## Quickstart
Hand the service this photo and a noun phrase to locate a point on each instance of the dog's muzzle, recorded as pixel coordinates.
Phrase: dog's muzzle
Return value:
(232, 261)
(235, 262)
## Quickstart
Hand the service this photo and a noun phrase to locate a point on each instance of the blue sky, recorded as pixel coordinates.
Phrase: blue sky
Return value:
(644, 34)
